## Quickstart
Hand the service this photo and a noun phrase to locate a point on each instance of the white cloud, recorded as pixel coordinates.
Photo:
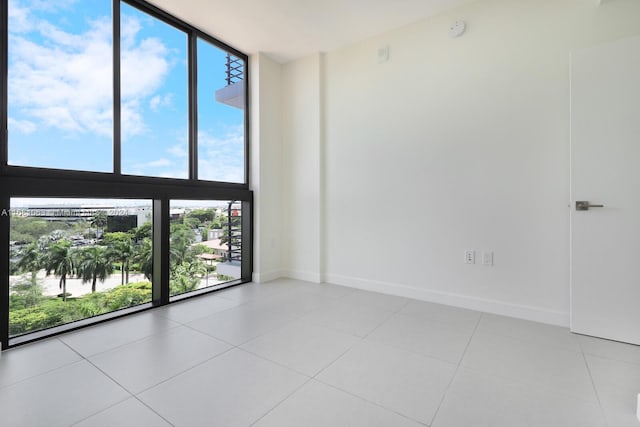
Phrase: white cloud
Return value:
(22, 126)
(178, 150)
(222, 159)
(160, 101)
(162, 167)
(159, 163)
(131, 118)
(233, 135)
(62, 80)
(19, 18)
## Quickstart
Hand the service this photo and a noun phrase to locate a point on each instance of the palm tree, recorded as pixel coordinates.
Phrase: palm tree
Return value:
(181, 239)
(186, 277)
(143, 256)
(99, 221)
(121, 248)
(31, 261)
(59, 260)
(140, 233)
(94, 262)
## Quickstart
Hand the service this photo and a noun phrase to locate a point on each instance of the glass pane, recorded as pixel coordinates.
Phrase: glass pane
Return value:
(221, 103)
(72, 259)
(205, 244)
(60, 85)
(154, 96)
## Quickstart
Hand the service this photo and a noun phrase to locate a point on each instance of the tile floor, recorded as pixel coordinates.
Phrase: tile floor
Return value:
(291, 353)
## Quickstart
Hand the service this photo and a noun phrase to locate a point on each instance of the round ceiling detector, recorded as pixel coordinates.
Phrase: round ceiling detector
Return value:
(456, 29)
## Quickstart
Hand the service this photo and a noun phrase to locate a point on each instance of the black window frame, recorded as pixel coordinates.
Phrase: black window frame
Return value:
(27, 181)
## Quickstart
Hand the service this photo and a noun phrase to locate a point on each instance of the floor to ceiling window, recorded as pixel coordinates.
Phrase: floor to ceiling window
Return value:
(72, 259)
(205, 244)
(124, 168)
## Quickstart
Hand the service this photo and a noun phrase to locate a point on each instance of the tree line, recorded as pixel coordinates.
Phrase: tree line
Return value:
(88, 251)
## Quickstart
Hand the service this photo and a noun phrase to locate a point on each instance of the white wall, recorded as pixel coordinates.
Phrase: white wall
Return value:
(303, 184)
(452, 144)
(266, 166)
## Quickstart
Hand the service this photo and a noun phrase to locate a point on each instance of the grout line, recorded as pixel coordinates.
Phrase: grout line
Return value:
(593, 383)
(103, 410)
(153, 410)
(186, 370)
(315, 377)
(86, 359)
(29, 377)
(283, 400)
(369, 401)
(137, 340)
(191, 328)
(275, 362)
(71, 348)
(183, 323)
(385, 320)
(455, 374)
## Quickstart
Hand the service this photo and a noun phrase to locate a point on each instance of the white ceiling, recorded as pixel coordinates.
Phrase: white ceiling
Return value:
(290, 29)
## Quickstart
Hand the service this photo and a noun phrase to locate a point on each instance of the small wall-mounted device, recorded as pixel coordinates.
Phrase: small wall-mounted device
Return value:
(456, 29)
(383, 54)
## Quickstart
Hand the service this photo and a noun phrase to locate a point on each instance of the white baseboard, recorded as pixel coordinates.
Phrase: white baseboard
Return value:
(267, 277)
(535, 314)
(307, 276)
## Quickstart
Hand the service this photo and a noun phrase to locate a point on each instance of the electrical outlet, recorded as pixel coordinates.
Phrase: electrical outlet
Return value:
(469, 257)
(487, 258)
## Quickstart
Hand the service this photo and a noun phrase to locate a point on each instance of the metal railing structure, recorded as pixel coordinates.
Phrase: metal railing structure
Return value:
(235, 69)
(234, 231)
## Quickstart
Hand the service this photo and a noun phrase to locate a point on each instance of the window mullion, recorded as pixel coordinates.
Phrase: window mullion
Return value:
(4, 62)
(4, 266)
(117, 124)
(160, 238)
(193, 106)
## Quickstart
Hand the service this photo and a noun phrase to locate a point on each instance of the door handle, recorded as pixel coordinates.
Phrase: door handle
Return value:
(584, 206)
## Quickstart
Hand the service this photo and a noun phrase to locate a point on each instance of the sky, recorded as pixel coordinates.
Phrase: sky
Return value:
(61, 97)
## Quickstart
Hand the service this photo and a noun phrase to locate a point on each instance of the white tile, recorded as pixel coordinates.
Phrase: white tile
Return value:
(294, 304)
(440, 340)
(540, 333)
(404, 382)
(610, 349)
(618, 386)
(375, 300)
(459, 317)
(234, 389)
(343, 316)
(319, 405)
(285, 283)
(519, 359)
(59, 398)
(142, 364)
(33, 359)
(109, 335)
(130, 413)
(196, 308)
(241, 324)
(479, 400)
(253, 291)
(301, 346)
(325, 289)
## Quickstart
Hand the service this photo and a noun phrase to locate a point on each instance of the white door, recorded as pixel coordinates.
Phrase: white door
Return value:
(605, 169)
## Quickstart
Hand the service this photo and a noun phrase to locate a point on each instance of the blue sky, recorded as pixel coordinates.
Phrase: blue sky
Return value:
(60, 95)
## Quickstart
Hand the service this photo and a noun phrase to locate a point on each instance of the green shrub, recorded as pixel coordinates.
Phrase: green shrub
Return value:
(127, 296)
(53, 311)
